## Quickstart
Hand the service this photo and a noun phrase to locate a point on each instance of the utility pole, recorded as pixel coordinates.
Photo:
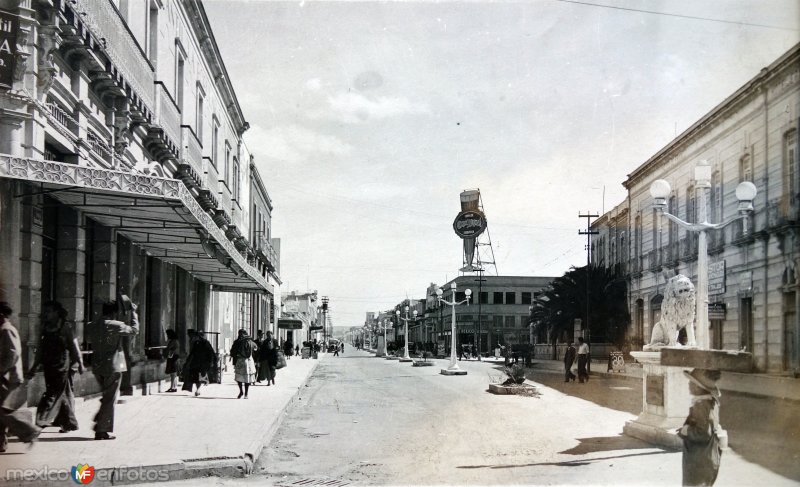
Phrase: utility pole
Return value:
(325, 320)
(588, 232)
(479, 339)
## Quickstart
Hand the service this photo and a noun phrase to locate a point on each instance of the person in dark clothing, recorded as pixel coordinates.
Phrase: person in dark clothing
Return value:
(60, 357)
(244, 366)
(198, 362)
(701, 445)
(268, 356)
(288, 348)
(173, 354)
(569, 359)
(108, 359)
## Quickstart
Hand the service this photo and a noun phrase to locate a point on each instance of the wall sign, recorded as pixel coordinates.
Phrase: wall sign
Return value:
(9, 28)
(716, 278)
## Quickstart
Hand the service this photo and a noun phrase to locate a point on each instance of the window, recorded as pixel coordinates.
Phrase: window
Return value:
(637, 236)
(790, 165)
(511, 321)
(511, 298)
(484, 297)
(656, 243)
(179, 70)
(198, 123)
(526, 298)
(235, 182)
(152, 33)
(745, 169)
(715, 201)
(498, 298)
(214, 140)
(672, 207)
(227, 169)
(460, 296)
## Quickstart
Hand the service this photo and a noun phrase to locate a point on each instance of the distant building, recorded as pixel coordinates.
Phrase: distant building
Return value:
(497, 312)
(302, 306)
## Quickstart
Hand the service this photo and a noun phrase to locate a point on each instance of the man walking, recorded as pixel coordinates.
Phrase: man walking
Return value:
(12, 397)
(583, 359)
(108, 359)
(569, 359)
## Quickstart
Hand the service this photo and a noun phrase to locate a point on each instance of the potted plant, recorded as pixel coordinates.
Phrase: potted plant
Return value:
(514, 383)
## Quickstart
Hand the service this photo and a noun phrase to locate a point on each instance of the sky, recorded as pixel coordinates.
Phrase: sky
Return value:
(368, 119)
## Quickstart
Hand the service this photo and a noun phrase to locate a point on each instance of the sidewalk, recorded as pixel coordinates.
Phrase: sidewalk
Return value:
(165, 436)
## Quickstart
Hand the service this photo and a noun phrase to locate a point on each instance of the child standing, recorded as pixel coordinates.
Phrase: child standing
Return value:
(701, 446)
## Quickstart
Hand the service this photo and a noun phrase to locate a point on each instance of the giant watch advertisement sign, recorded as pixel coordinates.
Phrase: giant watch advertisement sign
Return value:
(9, 27)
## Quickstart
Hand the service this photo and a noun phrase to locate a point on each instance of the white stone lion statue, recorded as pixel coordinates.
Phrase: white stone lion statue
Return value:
(677, 311)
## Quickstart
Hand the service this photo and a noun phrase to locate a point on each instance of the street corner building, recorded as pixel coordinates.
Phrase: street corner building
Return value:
(753, 263)
(123, 171)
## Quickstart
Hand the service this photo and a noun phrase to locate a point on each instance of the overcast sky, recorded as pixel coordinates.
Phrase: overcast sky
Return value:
(369, 118)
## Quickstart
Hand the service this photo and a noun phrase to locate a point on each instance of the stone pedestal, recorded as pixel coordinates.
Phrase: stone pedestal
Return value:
(665, 395)
(453, 372)
(666, 401)
(381, 350)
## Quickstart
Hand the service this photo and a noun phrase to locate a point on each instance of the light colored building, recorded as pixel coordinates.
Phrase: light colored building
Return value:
(753, 296)
(498, 311)
(304, 306)
(121, 172)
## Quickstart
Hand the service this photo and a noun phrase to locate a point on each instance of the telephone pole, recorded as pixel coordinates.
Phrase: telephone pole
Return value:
(588, 232)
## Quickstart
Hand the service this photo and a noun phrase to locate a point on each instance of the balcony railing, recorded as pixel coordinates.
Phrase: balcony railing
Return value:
(169, 118)
(121, 47)
(716, 240)
(191, 152)
(654, 260)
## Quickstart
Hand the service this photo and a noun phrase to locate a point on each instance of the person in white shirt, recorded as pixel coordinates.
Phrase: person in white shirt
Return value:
(583, 359)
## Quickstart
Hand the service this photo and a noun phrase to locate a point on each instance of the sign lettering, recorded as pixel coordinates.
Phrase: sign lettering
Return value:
(469, 224)
(9, 27)
(716, 278)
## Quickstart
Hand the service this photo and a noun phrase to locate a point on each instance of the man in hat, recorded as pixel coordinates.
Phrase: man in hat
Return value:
(108, 359)
(701, 448)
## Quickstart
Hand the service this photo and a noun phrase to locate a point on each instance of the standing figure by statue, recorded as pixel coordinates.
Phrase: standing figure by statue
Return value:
(701, 444)
(677, 312)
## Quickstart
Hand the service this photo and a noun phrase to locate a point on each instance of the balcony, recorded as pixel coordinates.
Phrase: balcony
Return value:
(169, 117)
(688, 248)
(716, 241)
(654, 260)
(782, 214)
(191, 149)
(119, 45)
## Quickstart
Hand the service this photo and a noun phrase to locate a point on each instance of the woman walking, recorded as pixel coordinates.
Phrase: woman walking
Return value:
(243, 365)
(268, 356)
(173, 353)
(60, 356)
(198, 363)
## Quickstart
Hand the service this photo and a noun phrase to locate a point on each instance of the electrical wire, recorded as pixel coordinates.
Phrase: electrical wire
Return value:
(691, 17)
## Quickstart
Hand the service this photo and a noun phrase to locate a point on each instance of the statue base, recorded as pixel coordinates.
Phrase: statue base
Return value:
(666, 402)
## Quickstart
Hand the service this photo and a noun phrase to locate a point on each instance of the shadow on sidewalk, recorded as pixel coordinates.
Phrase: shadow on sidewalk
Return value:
(569, 463)
(607, 443)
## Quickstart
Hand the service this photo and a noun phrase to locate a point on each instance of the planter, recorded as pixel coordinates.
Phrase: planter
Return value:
(422, 364)
(514, 389)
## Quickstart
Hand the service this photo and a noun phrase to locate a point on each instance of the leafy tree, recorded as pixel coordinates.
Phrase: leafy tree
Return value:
(556, 308)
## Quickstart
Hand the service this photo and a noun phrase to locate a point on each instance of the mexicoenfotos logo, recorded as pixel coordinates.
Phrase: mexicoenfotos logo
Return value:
(82, 474)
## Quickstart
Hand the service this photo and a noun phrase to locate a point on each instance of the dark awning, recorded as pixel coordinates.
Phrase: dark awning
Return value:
(158, 214)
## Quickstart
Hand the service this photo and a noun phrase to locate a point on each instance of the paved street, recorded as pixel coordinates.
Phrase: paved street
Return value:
(369, 421)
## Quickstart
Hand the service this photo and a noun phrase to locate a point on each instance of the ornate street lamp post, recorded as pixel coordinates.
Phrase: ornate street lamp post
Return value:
(406, 357)
(453, 369)
(745, 193)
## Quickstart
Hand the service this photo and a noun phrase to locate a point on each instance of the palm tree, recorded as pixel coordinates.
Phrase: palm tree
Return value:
(565, 300)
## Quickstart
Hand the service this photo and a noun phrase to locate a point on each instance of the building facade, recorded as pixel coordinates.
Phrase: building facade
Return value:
(123, 171)
(304, 307)
(753, 292)
(498, 311)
